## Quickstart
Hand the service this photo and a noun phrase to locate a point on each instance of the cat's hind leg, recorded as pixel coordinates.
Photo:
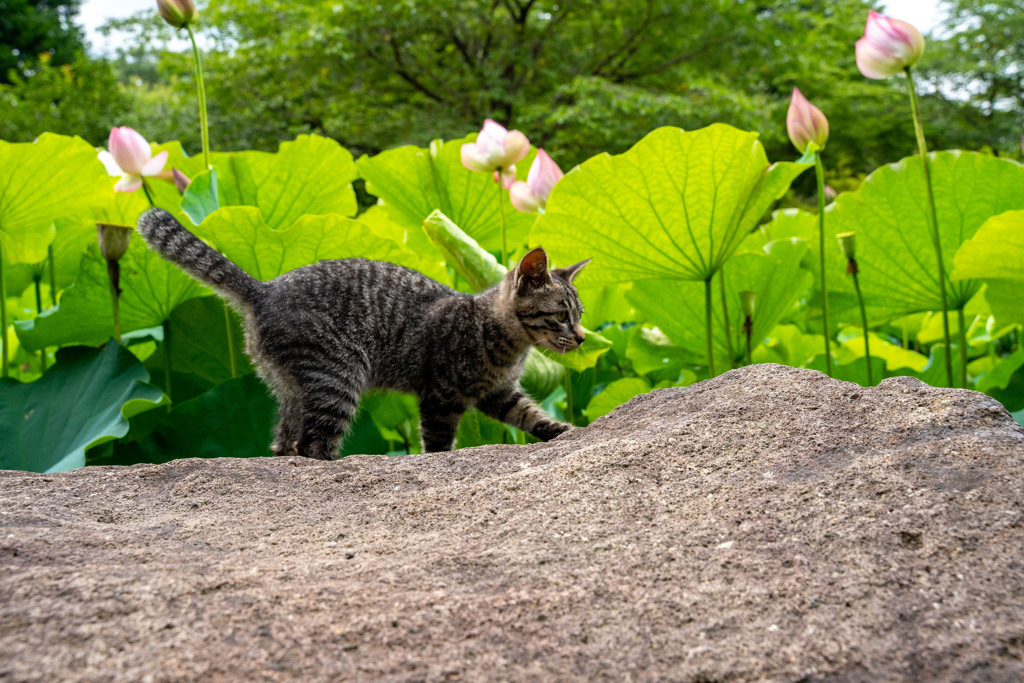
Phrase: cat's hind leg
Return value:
(329, 401)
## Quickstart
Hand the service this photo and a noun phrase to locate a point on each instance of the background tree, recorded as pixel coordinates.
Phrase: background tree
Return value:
(29, 28)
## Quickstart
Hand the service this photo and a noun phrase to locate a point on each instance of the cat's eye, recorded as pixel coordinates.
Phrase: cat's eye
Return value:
(561, 316)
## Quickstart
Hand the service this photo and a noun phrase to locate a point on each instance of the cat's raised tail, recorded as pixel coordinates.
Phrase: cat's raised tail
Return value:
(169, 238)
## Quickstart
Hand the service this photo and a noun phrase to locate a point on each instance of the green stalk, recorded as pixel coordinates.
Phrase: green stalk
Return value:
(933, 223)
(167, 359)
(819, 171)
(145, 188)
(748, 328)
(114, 276)
(864, 326)
(963, 348)
(707, 325)
(38, 280)
(568, 396)
(501, 208)
(5, 355)
(53, 274)
(231, 342)
(725, 311)
(201, 88)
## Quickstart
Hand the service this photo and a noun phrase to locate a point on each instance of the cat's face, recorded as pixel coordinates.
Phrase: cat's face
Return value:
(546, 303)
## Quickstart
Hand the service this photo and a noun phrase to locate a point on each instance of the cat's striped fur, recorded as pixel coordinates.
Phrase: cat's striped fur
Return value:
(322, 334)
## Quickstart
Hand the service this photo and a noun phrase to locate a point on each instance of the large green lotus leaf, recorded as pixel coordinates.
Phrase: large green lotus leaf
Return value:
(677, 307)
(614, 395)
(150, 289)
(200, 341)
(675, 206)
(40, 182)
(233, 420)
(413, 182)
(889, 215)
(84, 400)
(240, 234)
(311, 175)
(995, 254)
(482, 270)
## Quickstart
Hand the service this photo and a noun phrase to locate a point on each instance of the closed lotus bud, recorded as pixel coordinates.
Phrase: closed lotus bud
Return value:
(181, 181)
(177, 13)
(747, 303)
(805, 123)
(113, 240)
(888, 46)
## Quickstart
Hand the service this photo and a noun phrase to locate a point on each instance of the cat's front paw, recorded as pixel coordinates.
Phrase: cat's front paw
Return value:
(550, 429)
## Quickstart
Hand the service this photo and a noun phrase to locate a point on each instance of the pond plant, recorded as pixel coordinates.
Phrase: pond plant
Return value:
(697, 268)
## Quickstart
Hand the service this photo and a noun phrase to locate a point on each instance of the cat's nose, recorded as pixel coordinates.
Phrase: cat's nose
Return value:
(579, 337)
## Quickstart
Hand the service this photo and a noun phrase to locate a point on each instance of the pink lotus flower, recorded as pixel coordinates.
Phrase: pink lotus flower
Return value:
(805, 123)
(177, 13)
(131, 158)
(888, 46)
(532, 195)
(496, 150)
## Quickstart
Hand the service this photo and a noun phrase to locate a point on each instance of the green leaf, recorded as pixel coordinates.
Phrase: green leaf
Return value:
(614, 395)
(774, 275)
(998, 378)
(151, 289)
(675, 206)
(541, 375)
(414, 181)
(584, 357)
(233, 420)
(889, 215)
(82, 401)
(651, 352)
(200, 198)
(240, 234)
(311, 175)
(200, 341)
(41, 182)
(995, 255)
(894, 356)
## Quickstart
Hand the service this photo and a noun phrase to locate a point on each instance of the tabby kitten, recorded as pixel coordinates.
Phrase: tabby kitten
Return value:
(322, 334)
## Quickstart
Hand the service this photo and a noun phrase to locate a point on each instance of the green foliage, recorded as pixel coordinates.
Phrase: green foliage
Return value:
(86, 399)
(687, 199)
(994, 255)
(29, 29)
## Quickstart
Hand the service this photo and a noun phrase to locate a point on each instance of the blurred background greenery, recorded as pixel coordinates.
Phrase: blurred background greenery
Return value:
(579, 77)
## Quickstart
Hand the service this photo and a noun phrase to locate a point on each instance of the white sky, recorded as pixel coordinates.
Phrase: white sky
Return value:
(923, 14)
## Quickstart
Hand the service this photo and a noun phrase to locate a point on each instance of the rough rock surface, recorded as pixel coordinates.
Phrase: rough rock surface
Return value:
(768, 524)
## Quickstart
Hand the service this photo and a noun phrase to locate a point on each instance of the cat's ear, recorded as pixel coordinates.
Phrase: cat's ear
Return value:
(532, 270)
(569, 272)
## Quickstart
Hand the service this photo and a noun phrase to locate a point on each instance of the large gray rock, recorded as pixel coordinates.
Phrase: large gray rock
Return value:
(768, 524)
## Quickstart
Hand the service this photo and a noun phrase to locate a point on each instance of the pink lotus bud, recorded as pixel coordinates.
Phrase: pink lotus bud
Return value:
(131, 158)
(888, 46)
(181, 181)
(532, 195)
(805, 123)
(495, 149)
(177, 13)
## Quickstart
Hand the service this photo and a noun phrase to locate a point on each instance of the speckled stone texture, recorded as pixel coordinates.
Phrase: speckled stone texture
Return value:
(770, 524)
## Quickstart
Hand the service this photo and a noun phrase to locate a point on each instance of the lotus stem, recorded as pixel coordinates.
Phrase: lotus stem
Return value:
(568, 396)
(53, 274)
(201, 89)
(167, 360)
(963, 347)
(501, 208)
(863, 320)
(231, 342)
(748, 329)
(5, 355)
(707, 325)
(819, 171)
(725, 313)
(114, 275)
(145, 188)
(933, 223)
(38, 280)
